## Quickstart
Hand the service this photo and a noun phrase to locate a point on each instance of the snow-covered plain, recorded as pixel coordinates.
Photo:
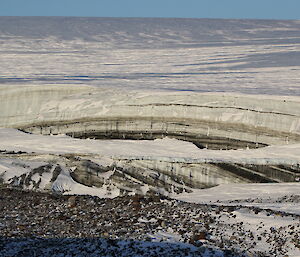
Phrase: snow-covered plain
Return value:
(204, 55)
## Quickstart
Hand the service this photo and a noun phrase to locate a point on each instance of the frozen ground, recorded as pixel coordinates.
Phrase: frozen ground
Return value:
(140, 226)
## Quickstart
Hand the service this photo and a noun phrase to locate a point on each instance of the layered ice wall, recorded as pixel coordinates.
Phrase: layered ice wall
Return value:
(92, 112)
(164, 165)
(218, 119)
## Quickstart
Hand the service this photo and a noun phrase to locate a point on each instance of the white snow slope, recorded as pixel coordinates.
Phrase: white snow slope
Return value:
(167, 149)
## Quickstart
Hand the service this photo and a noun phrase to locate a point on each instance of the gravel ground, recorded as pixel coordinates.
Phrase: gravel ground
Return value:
(35, 224)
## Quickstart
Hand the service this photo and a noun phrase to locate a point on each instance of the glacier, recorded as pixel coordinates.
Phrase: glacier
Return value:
(168, 105)
(164, 115)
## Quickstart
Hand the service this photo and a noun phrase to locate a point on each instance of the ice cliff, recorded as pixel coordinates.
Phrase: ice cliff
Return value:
(200, 117)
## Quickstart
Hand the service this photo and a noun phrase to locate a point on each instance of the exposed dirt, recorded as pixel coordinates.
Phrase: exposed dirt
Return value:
(46, 217)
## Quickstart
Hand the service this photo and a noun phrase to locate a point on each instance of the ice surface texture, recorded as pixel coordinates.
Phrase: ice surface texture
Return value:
(246, 56)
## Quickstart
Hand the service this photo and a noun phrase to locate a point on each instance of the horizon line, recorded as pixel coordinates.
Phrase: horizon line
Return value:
(137, 17)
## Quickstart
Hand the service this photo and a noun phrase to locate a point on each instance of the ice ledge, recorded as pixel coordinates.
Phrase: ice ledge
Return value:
(166, 149)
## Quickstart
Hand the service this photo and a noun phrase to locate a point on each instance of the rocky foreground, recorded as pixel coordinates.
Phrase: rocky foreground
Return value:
(42, 224)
